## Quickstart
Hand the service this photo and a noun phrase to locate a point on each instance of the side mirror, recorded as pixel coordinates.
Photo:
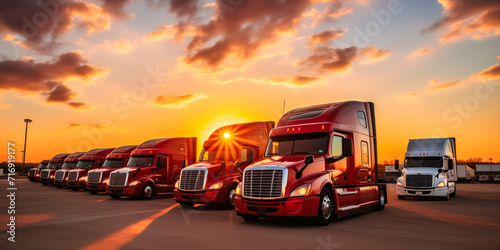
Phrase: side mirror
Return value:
(396, 164)
(450, 164)
(440, 170)
(309, 159)
(237, 167)
(183, 164)
(346, 147)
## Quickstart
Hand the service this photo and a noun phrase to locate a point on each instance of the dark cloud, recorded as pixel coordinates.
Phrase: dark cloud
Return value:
(116, 8)
(77, 105)
(492, 72)
(326, 36)
(61, 93)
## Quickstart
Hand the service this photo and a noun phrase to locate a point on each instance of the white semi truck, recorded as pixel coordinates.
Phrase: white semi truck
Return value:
(430, 169)
(465, 173)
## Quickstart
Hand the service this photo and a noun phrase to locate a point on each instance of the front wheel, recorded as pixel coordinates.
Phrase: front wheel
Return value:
(76, 189)
(401, 197)
(45, 184)
(454, 192)
(115, 196)
(381, 199)
(326, 208)
(186, 204)
(93, 191)
(230, 196)
(148, 191)
(59, 186)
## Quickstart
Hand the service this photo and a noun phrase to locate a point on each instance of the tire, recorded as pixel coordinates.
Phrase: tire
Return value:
(93, 191)
(45, 184)
(381, 199)
(186, 205)
(401, 197)
(249, 217)
(326, 208)
(454, 192)
(231, 193)
(148, 191)
(76, 189)
(447, 197)
(59, 186)
(115, 196)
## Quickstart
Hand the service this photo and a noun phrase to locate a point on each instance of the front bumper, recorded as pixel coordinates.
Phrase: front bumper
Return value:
(299, 206)
(60, 183)
(33, 178)
(76, 184)
(101, 187)
(48, 180)
(127, 191)
(201, 197)
(422, 192)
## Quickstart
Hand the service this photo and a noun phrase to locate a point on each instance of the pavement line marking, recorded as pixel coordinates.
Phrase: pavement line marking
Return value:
(449, 217)
(24, 219)
(122, 237)
(98, 201)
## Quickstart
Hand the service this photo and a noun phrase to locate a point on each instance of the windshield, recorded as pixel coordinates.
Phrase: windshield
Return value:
(42, 165)
(219, 155)
(69, 165)
(429, 162)
(141, 160)
(308, 144)
(113, 163)
(85, 164)
(54, 165)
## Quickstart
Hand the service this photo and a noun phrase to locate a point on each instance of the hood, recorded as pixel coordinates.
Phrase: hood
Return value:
(422, 171)
(103, 170)
(65, 170)
(210, 165)
(292, 162)
(79, 170)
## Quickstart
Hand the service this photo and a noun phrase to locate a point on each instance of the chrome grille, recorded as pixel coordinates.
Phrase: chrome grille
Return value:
(193, 179)
(72, 176)
(59, 175)
(263, 183)
(32, 172)
(45, 174)
(118, 179)
(419, 180)
(94, 177)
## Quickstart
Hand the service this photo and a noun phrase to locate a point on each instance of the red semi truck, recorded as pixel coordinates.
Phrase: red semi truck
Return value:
(118, 158)
(70, 163)
(34, 173)
(225, 154)
(47, 174)
(90, 160)
(321, 162)
(153, 168)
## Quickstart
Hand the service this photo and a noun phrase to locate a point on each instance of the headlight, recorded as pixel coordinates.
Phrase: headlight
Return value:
(238, 189)
(107, 182)
(441, 184)
(302, 190)
(400, 184)
(176, 185)
(217, 185)
(135, 183)
(84, 179)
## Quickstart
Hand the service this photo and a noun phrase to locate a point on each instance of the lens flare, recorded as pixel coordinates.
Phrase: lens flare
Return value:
(226, 135)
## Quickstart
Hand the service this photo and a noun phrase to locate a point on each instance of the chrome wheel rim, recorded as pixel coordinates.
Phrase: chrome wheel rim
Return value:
(148, 191)
(325, 207)
(382, 198)
(232, 194)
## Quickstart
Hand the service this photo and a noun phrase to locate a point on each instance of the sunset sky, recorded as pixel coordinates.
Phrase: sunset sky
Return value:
(109, 73)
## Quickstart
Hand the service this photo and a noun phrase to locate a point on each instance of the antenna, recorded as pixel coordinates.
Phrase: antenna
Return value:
(284, 102)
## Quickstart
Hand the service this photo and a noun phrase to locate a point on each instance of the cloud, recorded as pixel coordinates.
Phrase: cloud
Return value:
(331, 13)
(175, 31)
(177, 101)
(373, 54)
(41, 23)
(331, 59)
(116, 47)
(47, 78)
(435, 86)
(419, 52)
(466, 19)
(326, 36)
(299, 80)
(78, 105)
(492, 72)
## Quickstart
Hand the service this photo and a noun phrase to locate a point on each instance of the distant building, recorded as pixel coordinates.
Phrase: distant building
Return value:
(489, 170)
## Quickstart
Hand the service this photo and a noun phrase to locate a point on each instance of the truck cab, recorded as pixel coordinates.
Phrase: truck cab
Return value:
(118, 158)
(47, 174)
(226, 153)
(430, 169)
(153, 168)
(70, 163)
(94, 158)
(320, 162)
(34, 173)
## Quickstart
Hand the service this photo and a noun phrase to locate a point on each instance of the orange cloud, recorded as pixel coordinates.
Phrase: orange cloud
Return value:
(492, 72)
(177, 101)
(299, 80)
(116, 47)
(26, 75)
(175, 31)
(326, 36)
(373, 54)
(20, 17)
(332, 12)
(466, 19)
(419, 52)
(435, 86)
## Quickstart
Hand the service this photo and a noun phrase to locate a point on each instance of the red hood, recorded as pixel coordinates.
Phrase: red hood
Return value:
(103, 170)
(214, 170)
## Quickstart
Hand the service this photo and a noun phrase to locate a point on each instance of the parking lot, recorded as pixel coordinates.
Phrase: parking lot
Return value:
(52, 218)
